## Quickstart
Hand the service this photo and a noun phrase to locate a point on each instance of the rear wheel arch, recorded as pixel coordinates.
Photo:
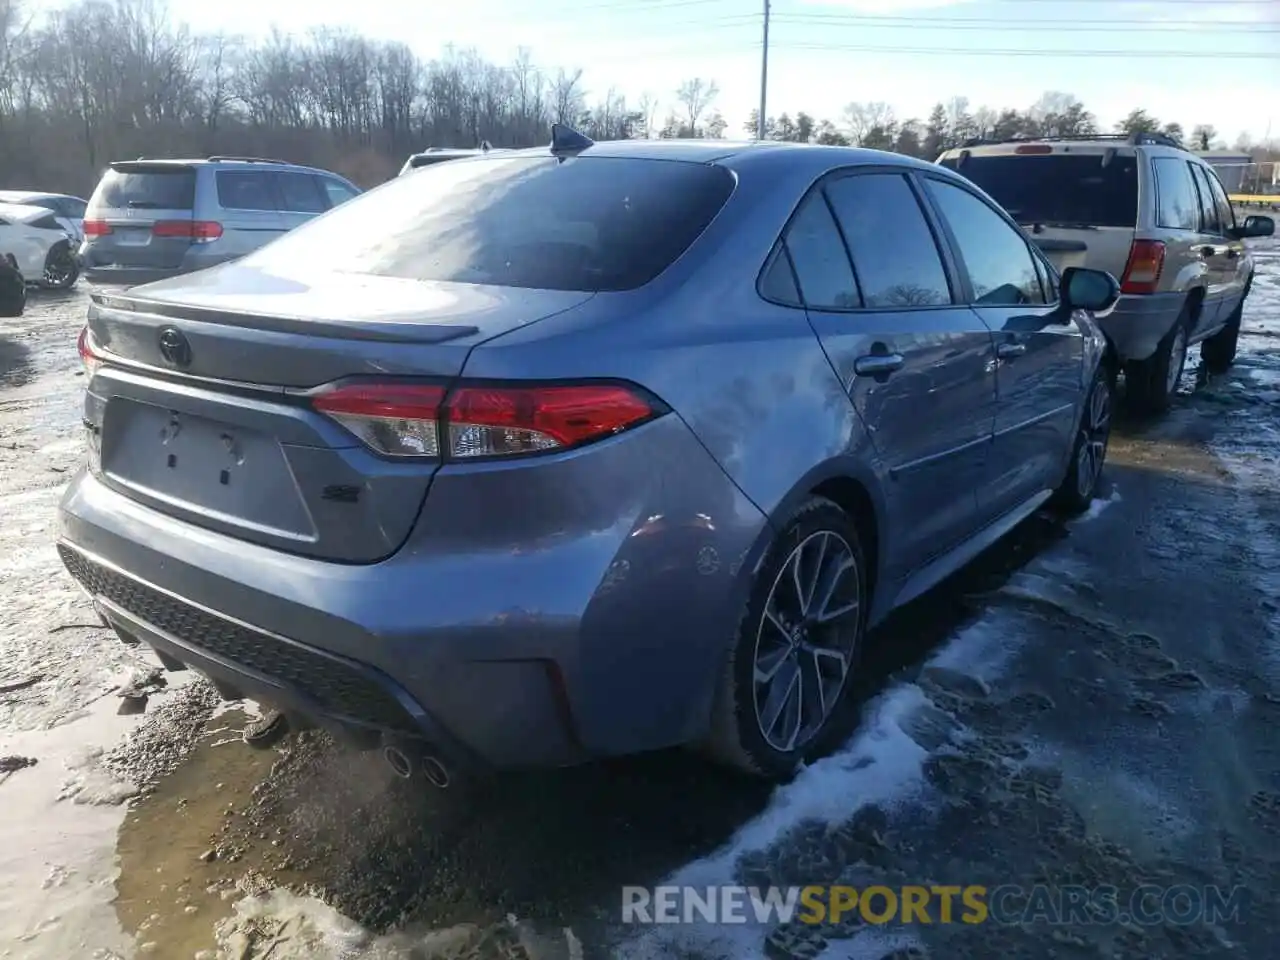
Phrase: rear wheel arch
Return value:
(1195, 303)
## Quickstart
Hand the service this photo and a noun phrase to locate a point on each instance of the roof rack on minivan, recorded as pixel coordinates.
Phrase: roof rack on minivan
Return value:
(1132, 139)
(246, 160)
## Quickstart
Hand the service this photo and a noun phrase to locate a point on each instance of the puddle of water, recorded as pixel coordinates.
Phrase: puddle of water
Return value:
(56, 840)
(166, 894)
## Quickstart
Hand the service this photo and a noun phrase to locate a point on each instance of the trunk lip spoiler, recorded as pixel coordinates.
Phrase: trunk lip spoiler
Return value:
(379, 331)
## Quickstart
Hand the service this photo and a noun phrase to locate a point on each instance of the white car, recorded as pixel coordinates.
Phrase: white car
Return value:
(439, 154)
(42, 248)
(68, 209)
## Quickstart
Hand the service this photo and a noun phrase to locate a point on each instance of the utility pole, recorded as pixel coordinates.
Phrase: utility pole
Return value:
(764, 75)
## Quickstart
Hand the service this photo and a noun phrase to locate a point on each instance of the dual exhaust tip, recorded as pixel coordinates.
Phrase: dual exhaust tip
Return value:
(404, 765)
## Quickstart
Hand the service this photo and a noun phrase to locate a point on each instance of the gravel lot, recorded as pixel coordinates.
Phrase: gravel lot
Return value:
(1089, 704)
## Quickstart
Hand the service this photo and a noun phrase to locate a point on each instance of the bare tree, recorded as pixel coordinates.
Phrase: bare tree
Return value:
(861, 118)
(648, 109)
(695, 96)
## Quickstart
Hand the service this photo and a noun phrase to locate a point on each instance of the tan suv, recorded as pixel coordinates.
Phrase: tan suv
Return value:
(1150, 213)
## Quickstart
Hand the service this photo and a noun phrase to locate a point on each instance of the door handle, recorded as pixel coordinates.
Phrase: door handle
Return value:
(878, 364)
(1007, 351)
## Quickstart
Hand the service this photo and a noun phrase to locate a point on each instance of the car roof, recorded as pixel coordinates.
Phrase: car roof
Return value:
(22, 211)
(17, 196)
(739, 153)
(1098, 144)
(220, 162)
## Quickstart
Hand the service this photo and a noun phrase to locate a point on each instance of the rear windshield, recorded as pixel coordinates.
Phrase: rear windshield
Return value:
(1059, 189)
(589, 224)
(148, 188)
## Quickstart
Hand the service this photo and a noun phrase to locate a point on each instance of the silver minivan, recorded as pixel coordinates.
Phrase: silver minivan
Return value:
(151, 219)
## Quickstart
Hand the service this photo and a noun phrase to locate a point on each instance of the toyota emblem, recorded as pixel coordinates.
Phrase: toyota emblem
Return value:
(174, 347)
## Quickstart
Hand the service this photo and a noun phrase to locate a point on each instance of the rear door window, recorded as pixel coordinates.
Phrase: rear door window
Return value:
(1226, 216)
(588, 224)
(821, 262)
(1177, 204)
(246, 190)
(336, 191)
(1209, 222)
(895, 257)
(138, 187)
(1001, 268)
(300, 194)
(1059, 189)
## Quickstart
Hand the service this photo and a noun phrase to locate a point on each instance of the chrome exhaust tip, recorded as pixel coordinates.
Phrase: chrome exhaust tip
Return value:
(399, 761)
(435, 772)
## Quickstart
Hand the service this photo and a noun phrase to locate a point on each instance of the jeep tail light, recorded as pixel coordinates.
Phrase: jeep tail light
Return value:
(90, 359)
(482, 421)
(1142, 272)
(197, 231)
(96, 228)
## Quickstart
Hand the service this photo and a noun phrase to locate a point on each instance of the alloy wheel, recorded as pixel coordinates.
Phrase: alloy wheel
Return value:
(1095, 434)
(805, 640)
(60, 268)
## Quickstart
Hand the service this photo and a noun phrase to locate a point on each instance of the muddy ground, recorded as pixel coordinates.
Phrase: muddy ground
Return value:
(1089, 704)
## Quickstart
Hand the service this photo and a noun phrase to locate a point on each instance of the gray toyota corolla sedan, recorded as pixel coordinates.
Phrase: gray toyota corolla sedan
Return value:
(559, 454)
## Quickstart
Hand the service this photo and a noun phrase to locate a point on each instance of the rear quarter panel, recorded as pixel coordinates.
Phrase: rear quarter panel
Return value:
(748, 377)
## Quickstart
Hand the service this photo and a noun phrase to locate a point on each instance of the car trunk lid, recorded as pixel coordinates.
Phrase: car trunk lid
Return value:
(140, 215)
(199, 405)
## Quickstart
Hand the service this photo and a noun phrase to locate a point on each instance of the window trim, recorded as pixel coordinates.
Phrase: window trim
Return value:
(909, 173)
(963, 268)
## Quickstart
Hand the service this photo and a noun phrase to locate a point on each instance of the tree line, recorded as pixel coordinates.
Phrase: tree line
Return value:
(105, 80)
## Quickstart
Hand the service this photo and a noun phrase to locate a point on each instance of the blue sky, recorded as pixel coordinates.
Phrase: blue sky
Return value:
(826, 53)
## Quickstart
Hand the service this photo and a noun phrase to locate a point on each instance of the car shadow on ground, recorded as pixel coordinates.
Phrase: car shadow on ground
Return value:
(15, 362)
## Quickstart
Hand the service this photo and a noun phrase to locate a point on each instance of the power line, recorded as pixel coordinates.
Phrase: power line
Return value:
(995, 24)
(1023, 52)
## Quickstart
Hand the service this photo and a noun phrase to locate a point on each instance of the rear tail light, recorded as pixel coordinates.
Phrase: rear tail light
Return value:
(96, 228)
(1034, 149)
(482, 421)
(1142, 272)
(90, 359)
(197, 231)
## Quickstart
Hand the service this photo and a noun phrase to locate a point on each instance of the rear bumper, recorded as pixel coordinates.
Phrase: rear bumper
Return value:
(1139, 323)
(114, 274)
(601, 639)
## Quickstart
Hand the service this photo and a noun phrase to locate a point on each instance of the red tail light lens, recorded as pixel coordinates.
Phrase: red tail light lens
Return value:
(90, 359)
(1142, 272)
(96, 228)
(483, 421)
(1034, 149)
(197, 231)
(502, 421)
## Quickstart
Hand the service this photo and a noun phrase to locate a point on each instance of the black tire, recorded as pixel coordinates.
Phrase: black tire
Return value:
(1151, 384)
(61, 268)
(1219, 351)
(736, 737)
(13, 289)
(1089, 449)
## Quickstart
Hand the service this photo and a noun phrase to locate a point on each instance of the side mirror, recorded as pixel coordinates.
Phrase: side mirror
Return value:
(1094, 290)
(1255, 226)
